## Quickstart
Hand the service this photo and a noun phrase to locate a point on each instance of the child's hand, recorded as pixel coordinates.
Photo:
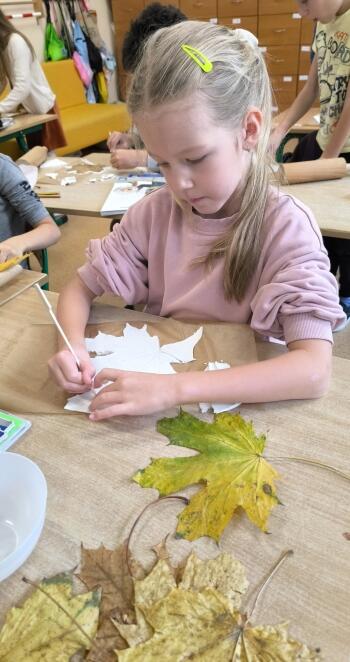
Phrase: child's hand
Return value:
(66, 373)
(123, 159)
(118, 140)
(10, 248)
(132, 393)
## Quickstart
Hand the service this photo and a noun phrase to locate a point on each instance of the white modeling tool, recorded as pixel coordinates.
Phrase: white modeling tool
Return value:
(57, 324)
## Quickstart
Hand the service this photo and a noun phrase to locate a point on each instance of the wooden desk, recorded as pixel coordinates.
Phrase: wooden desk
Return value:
(330, 203)
(83, 198)
(91, 498)
(306, 124)
(22, 125)
(22, 281)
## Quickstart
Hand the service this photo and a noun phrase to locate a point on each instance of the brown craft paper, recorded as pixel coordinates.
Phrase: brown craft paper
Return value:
(25, 385)
(35, 156)
(314, 171)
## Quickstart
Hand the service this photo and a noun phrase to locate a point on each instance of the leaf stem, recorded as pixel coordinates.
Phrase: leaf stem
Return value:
(266, 581)
(77, 625)
(315, 463)
(152, 503)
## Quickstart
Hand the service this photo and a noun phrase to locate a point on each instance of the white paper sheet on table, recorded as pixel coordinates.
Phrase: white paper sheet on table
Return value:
(118, 201)
(67, 181)
(136, 350)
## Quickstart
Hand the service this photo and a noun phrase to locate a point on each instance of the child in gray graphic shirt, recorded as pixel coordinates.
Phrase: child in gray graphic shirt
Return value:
(20, 208)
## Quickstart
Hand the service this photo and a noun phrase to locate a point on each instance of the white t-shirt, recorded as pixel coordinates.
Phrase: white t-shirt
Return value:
(29, 85)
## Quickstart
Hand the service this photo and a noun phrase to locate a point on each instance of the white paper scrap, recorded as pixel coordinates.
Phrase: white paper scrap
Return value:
(317, 118)
(54, 163)
(66, 181)
(216, 407)
(135, 350)
(107, 175)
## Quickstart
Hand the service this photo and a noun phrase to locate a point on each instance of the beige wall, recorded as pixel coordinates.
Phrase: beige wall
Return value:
(35, 30)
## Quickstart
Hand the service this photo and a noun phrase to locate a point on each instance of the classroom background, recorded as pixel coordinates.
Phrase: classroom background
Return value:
(283, 35)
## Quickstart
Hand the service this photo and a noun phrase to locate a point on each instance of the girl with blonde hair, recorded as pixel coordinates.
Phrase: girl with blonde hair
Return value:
(216, 243)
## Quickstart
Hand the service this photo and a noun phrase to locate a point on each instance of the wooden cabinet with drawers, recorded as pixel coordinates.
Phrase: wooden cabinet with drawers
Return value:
(267, 7)
(284, 90)
(281, 60)
(284, 37)
(244, 22)
(233, 8)
(279, 29)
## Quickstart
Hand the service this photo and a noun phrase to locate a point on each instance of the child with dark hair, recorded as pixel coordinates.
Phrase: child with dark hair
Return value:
(151, 19)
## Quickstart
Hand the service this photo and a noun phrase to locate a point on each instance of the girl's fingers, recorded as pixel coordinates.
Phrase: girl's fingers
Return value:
(69, 385)
(105, 398)
(121, 409)
(106, 375)
(66, 373)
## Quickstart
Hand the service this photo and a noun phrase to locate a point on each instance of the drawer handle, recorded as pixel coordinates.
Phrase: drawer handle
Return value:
(236, 2)
(279, 60)
(198, 4)
(280, 30)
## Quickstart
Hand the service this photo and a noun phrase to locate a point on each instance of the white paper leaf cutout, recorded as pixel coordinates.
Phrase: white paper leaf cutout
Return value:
(136, 350)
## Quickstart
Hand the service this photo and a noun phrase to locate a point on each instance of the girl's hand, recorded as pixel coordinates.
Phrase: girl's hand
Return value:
(132, 393)
(10, 248)
(65, 372)
(123, 159)
(118, 140)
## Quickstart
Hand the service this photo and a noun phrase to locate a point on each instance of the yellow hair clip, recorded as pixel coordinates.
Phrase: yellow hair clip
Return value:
(198, 57)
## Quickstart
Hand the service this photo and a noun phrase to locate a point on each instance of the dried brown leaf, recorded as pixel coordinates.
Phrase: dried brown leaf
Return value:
(106, 641)
(109, 570)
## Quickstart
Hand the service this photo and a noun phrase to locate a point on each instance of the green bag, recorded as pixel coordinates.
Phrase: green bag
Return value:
(54, 46)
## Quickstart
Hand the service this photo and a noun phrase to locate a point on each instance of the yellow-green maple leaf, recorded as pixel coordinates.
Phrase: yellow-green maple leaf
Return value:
(225, 573)
(229, 464)
(204, 627)
(51, 625)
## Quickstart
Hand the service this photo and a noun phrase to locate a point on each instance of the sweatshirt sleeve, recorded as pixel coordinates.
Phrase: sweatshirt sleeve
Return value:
(297, 296)
(15, 188)
(18, 60)
(118, 263)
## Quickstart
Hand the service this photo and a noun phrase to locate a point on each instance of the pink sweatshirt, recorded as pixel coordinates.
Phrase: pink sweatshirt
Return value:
(147, 259)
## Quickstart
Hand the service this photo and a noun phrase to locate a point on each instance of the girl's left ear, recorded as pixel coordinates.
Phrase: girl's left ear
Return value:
(251, 128)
